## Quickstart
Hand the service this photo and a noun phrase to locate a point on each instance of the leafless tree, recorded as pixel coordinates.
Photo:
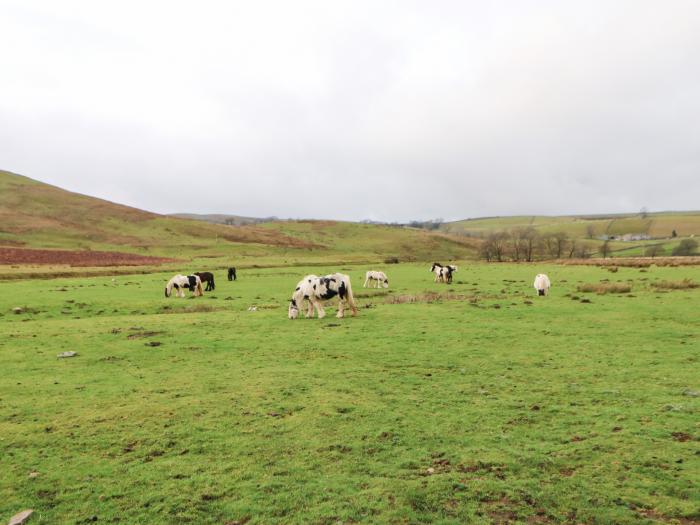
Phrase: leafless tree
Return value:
(605, 249)
(530, 239)
(590, 231)
(654, 250)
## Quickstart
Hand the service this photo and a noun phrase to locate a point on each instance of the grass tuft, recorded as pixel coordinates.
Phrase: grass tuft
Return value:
(684, 284)
(604, 288)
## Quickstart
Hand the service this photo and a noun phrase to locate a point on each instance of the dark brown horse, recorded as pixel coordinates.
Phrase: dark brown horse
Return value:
(231, 274)
(207, 277)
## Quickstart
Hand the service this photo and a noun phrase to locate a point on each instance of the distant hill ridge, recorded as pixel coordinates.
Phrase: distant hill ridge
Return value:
(35, 215)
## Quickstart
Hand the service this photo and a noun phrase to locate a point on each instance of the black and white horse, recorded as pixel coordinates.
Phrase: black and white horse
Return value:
(317, 289)
(231, 274)
(443, 274)
(207, 277)
(182, 283)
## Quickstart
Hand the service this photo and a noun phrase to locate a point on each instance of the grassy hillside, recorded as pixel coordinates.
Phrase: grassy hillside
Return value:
(577, 226)
(220, 218)
(34, 214)
(588, 230)
(37, 215)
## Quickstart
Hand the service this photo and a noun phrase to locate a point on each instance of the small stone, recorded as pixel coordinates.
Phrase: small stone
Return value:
(17, 310)
(691, 393)
(430, 470)
(22, 517)
(67, 354)
(33, 474)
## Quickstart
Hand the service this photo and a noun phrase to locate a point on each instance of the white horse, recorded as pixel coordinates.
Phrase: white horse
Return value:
(376, 278)
(542, 284)
(443, 274)
(317, 289)
(181, 282)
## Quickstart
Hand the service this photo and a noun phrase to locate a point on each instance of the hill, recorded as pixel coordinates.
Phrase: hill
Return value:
(659, 225)
(641, 230)
(34, 215)
(222, 218)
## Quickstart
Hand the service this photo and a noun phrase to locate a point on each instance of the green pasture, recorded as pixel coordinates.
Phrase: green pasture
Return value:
(475, 402)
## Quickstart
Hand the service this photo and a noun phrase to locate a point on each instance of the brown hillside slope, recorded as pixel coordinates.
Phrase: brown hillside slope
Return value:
(37, 214)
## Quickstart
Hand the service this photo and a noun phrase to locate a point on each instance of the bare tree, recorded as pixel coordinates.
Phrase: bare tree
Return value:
(518, 242)
(654, 250)
(605, 249)
(555, 244)
(590, 231)
(582, 251)
(498, 242)
(530, 239)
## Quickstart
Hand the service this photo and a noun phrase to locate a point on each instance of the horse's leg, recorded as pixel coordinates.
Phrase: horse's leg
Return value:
(366, 281)
(309, 309)
(319, 309)
(341, 309)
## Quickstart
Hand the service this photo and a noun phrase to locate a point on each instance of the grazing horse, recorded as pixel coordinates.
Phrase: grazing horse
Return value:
(182, 282)
(376, 278)
(443, 274)
(231, 274)
(207, 277)
(317, 289)
(542, 284)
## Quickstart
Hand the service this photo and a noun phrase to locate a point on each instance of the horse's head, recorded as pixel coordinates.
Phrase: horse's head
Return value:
(435, 265)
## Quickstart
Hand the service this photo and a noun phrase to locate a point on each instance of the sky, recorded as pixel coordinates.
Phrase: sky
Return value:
(354, 110)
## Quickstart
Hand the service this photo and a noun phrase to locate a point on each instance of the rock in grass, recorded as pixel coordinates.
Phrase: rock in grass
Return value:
(20, 518)
(691, 393)
(67, 354)
(17, 310)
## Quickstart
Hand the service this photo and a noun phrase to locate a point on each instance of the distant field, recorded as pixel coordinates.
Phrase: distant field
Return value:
(470, 403)
(655, 225)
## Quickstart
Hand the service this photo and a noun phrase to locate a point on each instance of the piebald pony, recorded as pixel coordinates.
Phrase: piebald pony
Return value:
(182, 282)
(315, 290)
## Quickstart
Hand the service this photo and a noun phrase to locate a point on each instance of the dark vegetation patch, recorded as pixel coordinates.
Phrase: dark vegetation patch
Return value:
(139, 335)
(603, 288)
(76, 257)
(684, 284)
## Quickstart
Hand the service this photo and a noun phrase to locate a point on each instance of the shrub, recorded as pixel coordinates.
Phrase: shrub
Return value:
(685, 248)
(603, 288)
(685, 284)
(391, 260)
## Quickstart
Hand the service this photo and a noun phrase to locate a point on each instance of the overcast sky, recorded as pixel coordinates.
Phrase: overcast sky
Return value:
(357, 110)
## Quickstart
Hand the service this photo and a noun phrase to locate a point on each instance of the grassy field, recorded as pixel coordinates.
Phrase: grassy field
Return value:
(469, 403)
(657, 225)
(654, 224)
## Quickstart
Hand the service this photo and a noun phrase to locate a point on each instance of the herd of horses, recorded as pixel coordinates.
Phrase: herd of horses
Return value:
(314, 290)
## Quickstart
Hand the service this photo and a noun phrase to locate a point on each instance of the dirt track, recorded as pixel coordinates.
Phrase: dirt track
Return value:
(76, 258)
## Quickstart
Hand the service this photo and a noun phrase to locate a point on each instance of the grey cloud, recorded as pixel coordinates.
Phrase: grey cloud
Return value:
(353, 110)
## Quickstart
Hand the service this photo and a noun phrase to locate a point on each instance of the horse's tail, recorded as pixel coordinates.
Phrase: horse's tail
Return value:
(167, 290)
(350, 297)
(199, 287)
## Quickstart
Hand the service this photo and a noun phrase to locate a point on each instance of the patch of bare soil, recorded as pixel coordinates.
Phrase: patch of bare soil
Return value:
(76, 257)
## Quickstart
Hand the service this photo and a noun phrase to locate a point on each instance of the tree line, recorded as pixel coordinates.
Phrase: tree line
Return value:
(527, 244)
